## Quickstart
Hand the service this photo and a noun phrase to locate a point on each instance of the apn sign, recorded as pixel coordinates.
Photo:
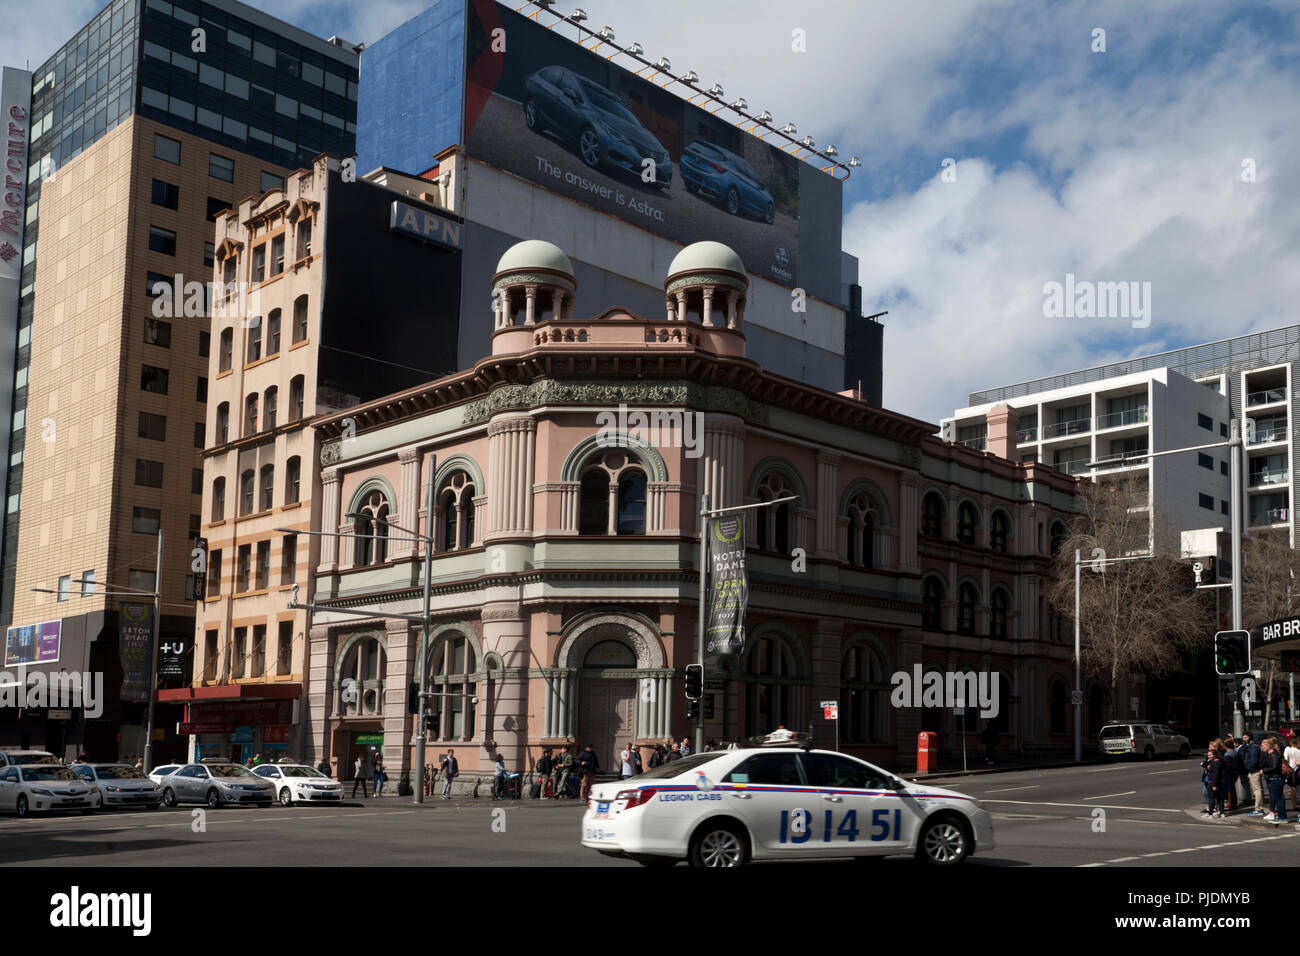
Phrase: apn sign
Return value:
(424, 225)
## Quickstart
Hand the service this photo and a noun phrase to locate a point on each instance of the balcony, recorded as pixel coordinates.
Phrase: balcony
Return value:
(1270, 476)
(1266, 397)
(1078, 466)
(1132, 416)
(1027, 434)
(979, 444)
(1267, 516)
(1079, 426)
(1136, 458)
(1265, 433)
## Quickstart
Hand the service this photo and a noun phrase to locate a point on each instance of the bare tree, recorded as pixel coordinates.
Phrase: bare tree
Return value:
(1137, 616)
(1270, 589)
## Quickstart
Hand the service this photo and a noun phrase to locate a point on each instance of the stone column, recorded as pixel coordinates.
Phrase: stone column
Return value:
(827, 504)
(827, 640)
(329, 520)
(732, 316)
(706, 315)
(505, 632)
(681, 306)
(672, 310)
(530, 305)
(557, 303)
(408, 503)
(909, 502)
(321, 694)
(511, 452)
(399, 664)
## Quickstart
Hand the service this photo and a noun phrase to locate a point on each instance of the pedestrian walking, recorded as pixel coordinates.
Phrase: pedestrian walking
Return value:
(637, 766)
(1250, 761)
(1271, 772)
(499, 775)
(990, 740)
(450, 768)
(1231, 770)
(379, 775)
(323, 766)
(1212, 783)
(359, 776)
(1291, 760)
(564, 768)
(545, 764)
(587, 766)
(625, 760)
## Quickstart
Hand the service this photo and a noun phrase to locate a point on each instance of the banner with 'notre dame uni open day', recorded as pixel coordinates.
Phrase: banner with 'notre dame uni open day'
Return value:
(729, 591)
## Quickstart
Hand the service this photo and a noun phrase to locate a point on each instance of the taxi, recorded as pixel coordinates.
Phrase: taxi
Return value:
(725, 808)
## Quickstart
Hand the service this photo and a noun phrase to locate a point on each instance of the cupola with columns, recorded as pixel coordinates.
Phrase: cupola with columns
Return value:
(533, 291)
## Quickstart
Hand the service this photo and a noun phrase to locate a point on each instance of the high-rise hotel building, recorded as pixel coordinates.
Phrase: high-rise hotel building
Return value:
(152, 119)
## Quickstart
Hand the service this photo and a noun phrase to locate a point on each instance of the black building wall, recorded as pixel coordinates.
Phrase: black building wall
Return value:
(380, 336)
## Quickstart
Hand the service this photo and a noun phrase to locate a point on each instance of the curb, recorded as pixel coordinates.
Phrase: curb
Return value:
(1239, 820)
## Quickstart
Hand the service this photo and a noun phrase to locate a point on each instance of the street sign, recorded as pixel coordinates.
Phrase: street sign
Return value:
(1076, 697)
(831, 713)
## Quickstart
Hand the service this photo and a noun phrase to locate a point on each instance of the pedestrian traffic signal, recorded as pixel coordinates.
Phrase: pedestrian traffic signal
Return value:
(692, 710)
(1232, 653)
(694, 681)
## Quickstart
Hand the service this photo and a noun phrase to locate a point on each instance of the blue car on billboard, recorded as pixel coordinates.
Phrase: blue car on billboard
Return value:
(594, 120)
(723, 176)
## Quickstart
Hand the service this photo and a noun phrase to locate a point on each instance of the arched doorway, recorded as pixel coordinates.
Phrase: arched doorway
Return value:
(607, 719)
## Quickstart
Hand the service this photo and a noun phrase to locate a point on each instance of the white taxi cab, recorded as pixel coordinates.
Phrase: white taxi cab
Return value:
(725, 808)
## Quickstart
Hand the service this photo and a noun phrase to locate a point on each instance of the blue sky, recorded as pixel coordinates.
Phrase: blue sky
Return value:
(1122, 165)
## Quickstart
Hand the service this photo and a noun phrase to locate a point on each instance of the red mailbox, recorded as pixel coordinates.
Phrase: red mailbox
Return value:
(927, 751)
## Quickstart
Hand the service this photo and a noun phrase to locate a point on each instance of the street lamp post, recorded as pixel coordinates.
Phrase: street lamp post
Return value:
(705, 515)
(153, 654)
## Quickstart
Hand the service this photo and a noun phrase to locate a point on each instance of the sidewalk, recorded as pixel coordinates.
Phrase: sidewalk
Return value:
(1003, 763)
(1242, 817)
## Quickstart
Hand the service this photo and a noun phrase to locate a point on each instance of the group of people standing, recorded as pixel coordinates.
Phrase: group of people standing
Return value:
(1267, 767)
(378, 775)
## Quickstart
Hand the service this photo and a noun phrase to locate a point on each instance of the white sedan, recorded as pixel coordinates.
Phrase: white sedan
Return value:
(40, 788)
(120, 785)
(298, 783)
(725, 808)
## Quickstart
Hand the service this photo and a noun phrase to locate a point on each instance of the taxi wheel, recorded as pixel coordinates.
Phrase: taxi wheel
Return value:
(718, 845)
(214, 799)
(169, 797)
(286, 798)
(22, 808)
(943, 842)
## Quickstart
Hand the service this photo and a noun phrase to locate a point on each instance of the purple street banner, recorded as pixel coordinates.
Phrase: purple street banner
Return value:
(135, 646)
(33, 643)
(729, 587)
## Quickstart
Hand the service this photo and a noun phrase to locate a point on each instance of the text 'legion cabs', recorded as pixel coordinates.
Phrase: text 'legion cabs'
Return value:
(725, 808)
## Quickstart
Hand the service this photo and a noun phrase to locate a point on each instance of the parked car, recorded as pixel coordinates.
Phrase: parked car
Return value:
(17, 756)
(42, 787)
(120, 785)
(216, 784)
(1141, 739)
(723, 176)
(594, 120)
(158, 774)
(299, 783)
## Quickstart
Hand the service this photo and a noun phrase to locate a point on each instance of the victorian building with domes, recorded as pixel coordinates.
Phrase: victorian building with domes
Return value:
(567, 470)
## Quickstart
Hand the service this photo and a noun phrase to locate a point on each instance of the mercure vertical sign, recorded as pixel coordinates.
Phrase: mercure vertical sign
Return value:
(728, 587)
(15, 116)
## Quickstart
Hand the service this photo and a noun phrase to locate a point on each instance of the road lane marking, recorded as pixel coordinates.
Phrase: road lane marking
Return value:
(1106, 769)
(1156, 773)
(1040, 803)
(1009, 789)
(1193, 849)
(1126, 793)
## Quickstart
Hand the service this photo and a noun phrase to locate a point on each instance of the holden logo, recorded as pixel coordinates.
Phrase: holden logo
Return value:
(782, 257)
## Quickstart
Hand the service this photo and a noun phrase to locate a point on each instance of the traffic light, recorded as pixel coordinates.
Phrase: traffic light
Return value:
(1232, 653)
(413, 699)
(692, 710)
(694, 681)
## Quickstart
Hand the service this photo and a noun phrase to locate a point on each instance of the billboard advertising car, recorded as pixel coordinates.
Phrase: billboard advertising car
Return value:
(542, 107)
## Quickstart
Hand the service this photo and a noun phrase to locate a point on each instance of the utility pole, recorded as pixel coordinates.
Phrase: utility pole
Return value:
(417, 773)
(153, 654)
(1078, 680)
(1236, 451)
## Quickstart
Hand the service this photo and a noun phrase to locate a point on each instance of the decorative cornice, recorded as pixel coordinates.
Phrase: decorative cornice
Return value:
(508, 612)
(709, 398)
(695, 280)
(552, 279)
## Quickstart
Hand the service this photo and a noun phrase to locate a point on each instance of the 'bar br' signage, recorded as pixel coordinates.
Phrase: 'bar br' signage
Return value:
(1283, 629)
(423, 224)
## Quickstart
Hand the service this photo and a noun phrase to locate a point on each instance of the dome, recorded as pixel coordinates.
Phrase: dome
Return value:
(706, 256)
(532, 255)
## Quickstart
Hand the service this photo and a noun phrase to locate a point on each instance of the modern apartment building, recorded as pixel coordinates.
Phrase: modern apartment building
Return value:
(156, 116)
(323, 300)
(1093, 427)
(1253, 378)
